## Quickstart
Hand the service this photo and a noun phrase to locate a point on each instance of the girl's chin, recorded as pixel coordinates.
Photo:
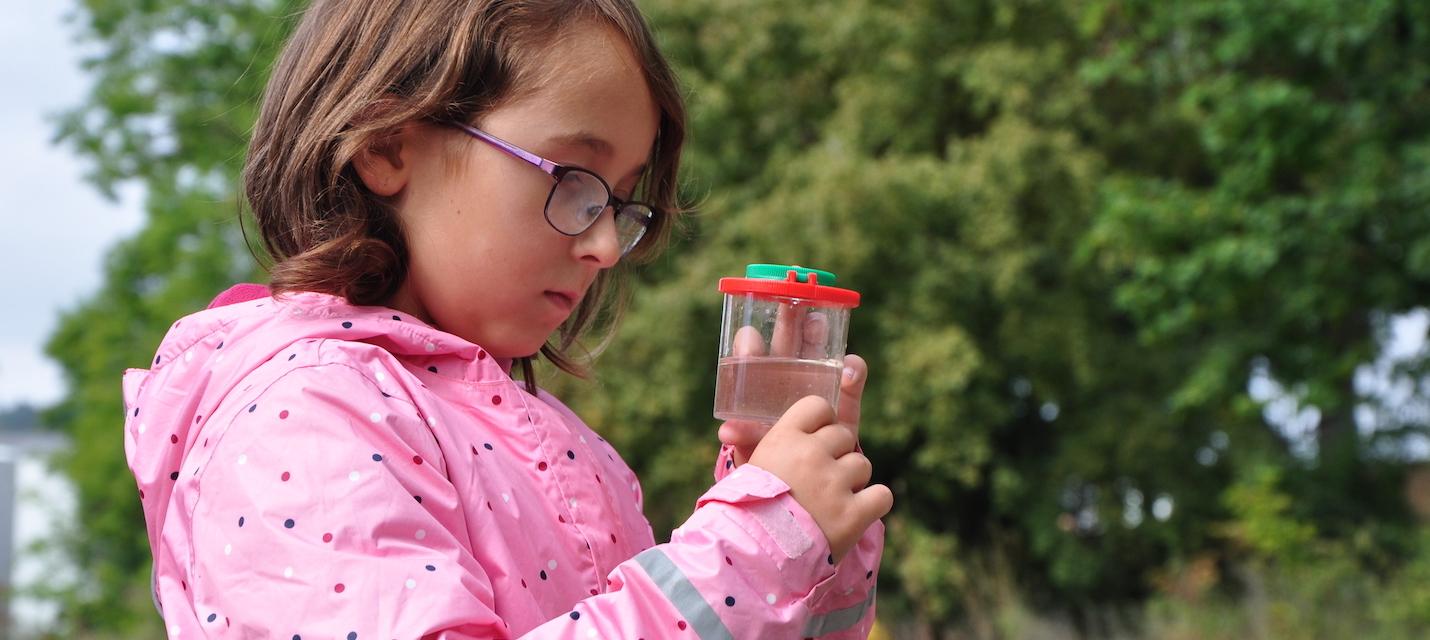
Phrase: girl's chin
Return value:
(514, 348)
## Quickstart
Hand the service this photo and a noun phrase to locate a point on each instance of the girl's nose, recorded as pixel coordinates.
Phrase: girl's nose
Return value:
(600, 244)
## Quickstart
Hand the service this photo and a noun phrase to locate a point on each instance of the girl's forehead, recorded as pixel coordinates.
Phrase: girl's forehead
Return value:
(584, 57)
(590, 90)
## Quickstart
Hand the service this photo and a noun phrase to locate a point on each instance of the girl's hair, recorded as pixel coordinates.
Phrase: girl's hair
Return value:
(354, 71)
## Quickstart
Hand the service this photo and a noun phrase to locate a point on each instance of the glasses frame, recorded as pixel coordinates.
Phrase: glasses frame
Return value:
(558, 171)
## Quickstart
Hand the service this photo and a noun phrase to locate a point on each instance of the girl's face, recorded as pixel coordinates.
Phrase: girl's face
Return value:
(483, 262)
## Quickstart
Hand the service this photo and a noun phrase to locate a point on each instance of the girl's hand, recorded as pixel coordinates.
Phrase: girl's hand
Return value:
(744, 436)
(815, 456)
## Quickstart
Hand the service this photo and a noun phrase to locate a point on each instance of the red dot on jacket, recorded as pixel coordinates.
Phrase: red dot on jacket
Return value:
(496, 399)
(339, 587)
(283, 415)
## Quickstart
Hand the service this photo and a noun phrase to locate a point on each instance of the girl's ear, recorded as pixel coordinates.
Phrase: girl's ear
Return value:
(380, 163)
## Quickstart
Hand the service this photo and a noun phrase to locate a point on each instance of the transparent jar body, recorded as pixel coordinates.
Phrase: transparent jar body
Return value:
(775, 350)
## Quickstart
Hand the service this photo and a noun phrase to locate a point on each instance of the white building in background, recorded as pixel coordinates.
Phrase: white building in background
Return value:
(37, 502)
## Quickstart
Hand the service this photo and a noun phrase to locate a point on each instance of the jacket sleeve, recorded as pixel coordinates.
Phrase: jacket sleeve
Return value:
(745, 565)
(843, 605)
(308, 524)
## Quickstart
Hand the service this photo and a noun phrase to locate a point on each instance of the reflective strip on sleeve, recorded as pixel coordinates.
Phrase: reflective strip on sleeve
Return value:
(681, 593)
(838, 620)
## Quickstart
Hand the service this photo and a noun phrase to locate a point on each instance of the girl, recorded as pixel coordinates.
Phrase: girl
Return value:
(445, 185)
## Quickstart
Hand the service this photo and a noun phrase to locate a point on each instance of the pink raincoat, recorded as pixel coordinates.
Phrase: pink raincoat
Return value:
(310, 469)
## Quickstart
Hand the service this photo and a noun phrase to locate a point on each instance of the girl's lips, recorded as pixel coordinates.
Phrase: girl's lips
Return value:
(563, 300)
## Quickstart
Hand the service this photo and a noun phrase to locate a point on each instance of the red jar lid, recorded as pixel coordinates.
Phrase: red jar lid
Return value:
(784, 281)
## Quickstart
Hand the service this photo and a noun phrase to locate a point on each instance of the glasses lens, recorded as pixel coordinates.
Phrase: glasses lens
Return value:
(631, 223)
(576, 201)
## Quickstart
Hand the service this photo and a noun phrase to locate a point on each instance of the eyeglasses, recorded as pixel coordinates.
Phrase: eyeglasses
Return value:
(578, 197)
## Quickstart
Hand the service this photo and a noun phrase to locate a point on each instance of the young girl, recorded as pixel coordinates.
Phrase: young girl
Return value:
(447, 187)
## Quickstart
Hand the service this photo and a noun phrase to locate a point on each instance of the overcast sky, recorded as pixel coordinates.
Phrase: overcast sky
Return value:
(56, 227)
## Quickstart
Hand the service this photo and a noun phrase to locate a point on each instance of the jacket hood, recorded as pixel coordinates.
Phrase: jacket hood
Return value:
(206, 356)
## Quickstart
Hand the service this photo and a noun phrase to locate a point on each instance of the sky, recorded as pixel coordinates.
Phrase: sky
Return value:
(57, 228)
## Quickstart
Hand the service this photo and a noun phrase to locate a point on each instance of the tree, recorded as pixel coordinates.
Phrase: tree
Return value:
(1079, 227)
(176, 91)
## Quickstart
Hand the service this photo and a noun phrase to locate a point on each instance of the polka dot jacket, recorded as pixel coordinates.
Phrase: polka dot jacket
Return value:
(311, 469)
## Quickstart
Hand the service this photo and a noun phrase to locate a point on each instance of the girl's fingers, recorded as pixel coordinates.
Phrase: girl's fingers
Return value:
(748, 342)
(837, 440)
(873, 502)
(851, 390)
(809, 414)
(742, 433)
(788, 333)
(814, 343)
(857, 469)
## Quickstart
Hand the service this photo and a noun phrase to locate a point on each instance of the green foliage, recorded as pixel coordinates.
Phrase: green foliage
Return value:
(1261, 517)
(1078, 226)
(175, 94)
(1325, 593)
(1405, 604)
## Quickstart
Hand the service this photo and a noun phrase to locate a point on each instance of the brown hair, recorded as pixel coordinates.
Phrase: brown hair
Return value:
(354, 71)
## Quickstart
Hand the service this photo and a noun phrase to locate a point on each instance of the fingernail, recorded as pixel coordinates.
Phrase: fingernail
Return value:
(850, 374)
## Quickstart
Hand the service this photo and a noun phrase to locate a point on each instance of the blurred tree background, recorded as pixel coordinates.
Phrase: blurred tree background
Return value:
(1129, 272)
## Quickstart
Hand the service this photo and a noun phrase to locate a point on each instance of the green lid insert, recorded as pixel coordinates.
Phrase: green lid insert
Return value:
(781, 272)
